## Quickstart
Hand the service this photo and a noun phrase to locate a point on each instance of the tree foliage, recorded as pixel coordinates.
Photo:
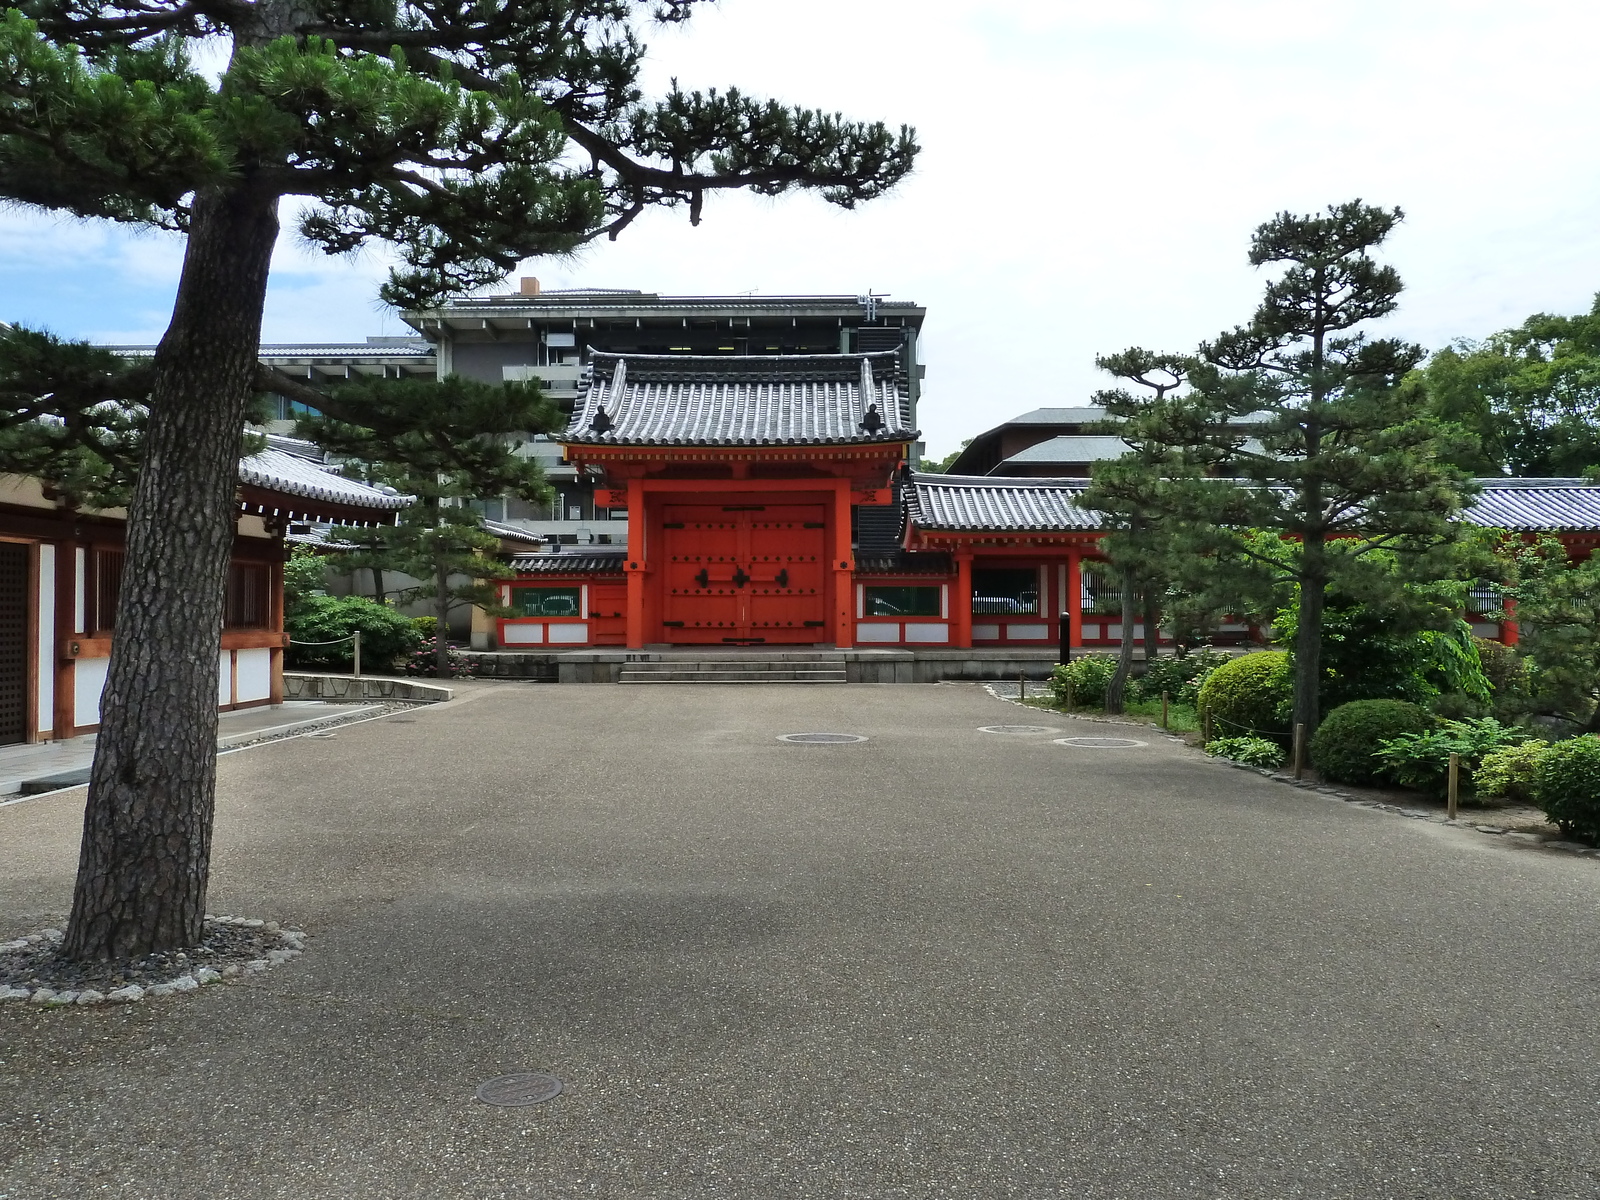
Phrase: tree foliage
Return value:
(1529, 395)
(1558, 614)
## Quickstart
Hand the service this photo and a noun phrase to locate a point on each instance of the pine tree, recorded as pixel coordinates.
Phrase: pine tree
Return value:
(446, 444)
(468, 137)
(1309, 429)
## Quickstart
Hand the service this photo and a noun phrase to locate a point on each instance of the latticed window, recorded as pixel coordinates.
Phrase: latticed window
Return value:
(104, 588)
(547, 601)
(249, 604)
(1005, 592)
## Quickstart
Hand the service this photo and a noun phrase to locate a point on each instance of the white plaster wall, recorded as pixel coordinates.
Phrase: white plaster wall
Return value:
(877, 632)
(88, 681)
(46, 634)
(255, 675)
(927, 633)
(522, 635)
(225, 678)
(575, 633)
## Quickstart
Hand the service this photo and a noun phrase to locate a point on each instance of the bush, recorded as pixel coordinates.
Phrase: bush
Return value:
(1568, 786)
(422, 661)
(1180, 678)
(426, 626)
(1507, 672)
(1422, 760)
(1251, 694)
(385, 634)
(1511, 771)
(1088, 677)
(1348, 737)
(1257, 752)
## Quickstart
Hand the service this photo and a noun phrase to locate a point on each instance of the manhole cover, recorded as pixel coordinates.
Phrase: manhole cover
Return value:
(514, 1091)
(1016, 729)
(821, 737)
(1094, 743)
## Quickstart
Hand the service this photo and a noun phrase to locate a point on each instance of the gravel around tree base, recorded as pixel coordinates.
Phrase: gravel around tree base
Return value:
(32, 968)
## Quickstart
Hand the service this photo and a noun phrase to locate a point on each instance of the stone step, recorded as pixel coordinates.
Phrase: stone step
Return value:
(731, 673)
(737, 665)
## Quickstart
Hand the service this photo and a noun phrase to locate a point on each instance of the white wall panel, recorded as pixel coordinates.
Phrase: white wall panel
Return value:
(577, 632)
(521, 635)
(88, 681)
(986, 633)
(45, 616)
(1027, 633)
(255, 675)
(919, 632)
(225, 678)
(878, 631)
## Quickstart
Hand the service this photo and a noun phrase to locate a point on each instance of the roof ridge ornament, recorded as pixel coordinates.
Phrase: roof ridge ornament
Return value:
(873, 421)
(601, 421)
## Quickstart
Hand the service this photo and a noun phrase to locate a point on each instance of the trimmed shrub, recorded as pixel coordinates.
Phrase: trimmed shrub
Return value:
(1088, 677)
(1257, 752)
(426, 626)
(385, 634)
(1251, 695)
(1511, 771)
(1422, 760)
(1344, 745)
(1568, 786)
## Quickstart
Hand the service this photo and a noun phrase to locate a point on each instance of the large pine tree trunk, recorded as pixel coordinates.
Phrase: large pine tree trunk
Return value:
(142, 870)
(441, 608)
(1308, 635)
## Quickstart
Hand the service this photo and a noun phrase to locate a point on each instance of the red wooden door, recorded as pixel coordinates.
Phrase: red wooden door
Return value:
(743, 573)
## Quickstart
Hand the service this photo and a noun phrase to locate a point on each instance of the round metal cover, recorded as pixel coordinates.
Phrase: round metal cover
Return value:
(1100, 743)
(1017, 729)
(523, 1088)
(830, 738)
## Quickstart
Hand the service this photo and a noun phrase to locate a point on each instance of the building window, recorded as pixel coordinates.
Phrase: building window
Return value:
(903, 602)
(546, 601)
(248, 605)
(104, 590)
(1005, 592)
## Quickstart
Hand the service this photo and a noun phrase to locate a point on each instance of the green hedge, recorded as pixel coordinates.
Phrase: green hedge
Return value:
(1344, 744)
(385, 634)
(1568, 786)
(1252, 694)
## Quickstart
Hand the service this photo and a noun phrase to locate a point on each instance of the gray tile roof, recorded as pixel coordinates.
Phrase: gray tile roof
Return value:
(294, 476)
(984, 503)
(904, 562)
(981, 503)
(1554, 505)
(742, 400)
(583, 562)
(1069, 448)
(511, 533)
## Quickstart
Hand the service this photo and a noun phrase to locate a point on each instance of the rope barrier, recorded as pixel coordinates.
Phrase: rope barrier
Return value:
(335, 642)
(1250, 728)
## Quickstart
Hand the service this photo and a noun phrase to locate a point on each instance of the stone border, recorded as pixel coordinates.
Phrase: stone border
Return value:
(302, 685)
(294, 944)
(1416, 814)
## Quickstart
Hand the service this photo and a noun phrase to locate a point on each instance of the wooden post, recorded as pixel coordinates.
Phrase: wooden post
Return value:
(1072, 604)
(356, 652)
(1205, 728)
(1299, 751)
(1453, 795)
(1071, 699)
(1022, 685)
(1164, 723)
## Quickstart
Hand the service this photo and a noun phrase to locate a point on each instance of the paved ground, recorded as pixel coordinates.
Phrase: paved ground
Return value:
(938, 963)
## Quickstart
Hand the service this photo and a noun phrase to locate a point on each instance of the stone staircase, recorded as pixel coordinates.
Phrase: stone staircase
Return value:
(755, 667)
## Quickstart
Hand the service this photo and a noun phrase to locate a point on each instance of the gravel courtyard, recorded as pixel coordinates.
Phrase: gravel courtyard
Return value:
(937, 963)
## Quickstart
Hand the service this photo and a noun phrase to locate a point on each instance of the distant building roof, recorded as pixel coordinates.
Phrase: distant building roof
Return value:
(292, 475)
(1532, 505)
(743, 400)
(1059, 416)
(512, 533)
(577, 562)
(978, 503)
(1071, 448)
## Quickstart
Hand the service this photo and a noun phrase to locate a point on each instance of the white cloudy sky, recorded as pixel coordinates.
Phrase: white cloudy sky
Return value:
(1091, 173)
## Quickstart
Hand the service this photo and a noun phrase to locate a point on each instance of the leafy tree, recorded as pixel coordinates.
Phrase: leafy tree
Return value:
(1558, 616)
(1531, 395)
(466, 137)
(1341, 451)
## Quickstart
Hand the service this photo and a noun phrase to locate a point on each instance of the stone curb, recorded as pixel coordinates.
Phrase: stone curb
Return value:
(1415, 814)
(294, 945)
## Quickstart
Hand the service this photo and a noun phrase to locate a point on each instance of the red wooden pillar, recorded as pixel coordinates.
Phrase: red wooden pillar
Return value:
(275, 655)
(844, 614)
(636, 564)
(1508, 625)
(1074, 597)
(66, 583)
(961, 604)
